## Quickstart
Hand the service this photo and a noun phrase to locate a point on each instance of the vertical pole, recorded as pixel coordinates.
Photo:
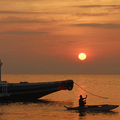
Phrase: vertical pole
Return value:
(0, 69)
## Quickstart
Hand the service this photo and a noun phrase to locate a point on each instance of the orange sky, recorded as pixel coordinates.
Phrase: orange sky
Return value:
(47, 36)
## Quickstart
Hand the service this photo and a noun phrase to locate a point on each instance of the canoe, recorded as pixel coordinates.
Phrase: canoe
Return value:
(91, 108)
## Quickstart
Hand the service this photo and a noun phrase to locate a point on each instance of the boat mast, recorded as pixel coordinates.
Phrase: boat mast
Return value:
(0, 69)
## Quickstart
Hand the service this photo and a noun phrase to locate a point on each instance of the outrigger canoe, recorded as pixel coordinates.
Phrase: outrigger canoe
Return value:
(90, 108)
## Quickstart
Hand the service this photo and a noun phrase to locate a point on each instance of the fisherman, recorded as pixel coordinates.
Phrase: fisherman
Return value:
(82, 101)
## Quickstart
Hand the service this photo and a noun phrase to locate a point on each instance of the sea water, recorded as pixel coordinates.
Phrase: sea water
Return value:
(51, 107)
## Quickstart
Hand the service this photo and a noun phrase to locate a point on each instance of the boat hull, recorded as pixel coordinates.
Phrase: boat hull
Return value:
(95, 108)
(31, 91)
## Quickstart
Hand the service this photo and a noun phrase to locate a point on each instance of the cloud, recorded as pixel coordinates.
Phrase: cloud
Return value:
(10, 12)
(23, 21)
(23, 12)
(92, 14)
(29, 17)
(12, 19)
(99, 6)
(22, 32)
(98, 10)
(110, 25)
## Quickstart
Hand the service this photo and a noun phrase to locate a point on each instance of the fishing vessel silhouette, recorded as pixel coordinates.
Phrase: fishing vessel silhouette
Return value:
(30, 91)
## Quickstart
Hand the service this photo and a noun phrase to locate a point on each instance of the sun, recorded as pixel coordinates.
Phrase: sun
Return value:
(82, 56)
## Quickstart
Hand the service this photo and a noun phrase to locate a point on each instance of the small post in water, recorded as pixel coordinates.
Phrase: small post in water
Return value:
(0, 69)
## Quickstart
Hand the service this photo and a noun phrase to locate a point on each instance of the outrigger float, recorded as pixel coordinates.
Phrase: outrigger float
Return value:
(30, 91)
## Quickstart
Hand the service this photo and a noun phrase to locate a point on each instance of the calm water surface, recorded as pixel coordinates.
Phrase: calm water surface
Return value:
(51, 106)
